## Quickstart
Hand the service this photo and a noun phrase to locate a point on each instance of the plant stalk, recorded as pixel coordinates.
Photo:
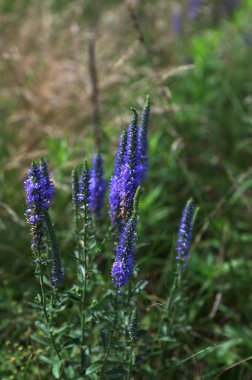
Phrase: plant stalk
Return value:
(111, 336)
(83, 268)
(130, 362)
(43, 304)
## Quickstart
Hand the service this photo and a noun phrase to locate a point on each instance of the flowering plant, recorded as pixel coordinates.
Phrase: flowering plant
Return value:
(101, 339)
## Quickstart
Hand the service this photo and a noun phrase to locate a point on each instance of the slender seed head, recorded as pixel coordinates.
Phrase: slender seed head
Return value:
(133, 325)
(57, 273)
(83, 194)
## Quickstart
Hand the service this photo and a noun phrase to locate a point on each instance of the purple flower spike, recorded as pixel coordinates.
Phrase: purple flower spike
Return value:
(185, 232)
(57, 273)
(123, 265)
(120, 154)
(177, 21)
(143, 141)
(114, 200)
(47, 182)
(97, 186)
(194, 9)
(131, 165)
(227, 7)
(130, 174)
(39, 191)
(122, 270)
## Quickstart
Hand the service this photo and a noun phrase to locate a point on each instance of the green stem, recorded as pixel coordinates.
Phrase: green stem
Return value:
(77, 231)
(127, 312)
(166, 313)
(168, 303)
(129, 295)
(43, 304)
(51, 234)
(130, 362)
(126, 319)
(83, 299)
(111, 336)
(84, 286)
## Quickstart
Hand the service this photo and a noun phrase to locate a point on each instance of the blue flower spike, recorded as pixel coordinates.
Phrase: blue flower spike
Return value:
(185, 232)
(97, 185)
(123, 265)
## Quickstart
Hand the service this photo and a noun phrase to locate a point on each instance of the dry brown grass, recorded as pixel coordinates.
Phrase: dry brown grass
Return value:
(45, 77)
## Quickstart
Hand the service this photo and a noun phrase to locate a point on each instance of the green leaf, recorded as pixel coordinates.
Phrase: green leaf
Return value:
(73, 296)
(35, 305)
(42, 327)
(206, 351)
(69, 371)
(74, 334)
(46, 359)
(140, 285)
(93, 368)
(133, 358)
(243, 188)
(83, 271)
(167, 339)
(56, 370)
(41, 339)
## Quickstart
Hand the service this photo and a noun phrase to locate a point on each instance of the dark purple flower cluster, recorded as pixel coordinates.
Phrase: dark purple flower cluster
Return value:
(223, 8)
(89, 187)
(48, 183)
(185, 232)
(114, 200)
(131, 165)
(57, 273)
(39, 193)
(129, 172)
(123, 265)
(227, 7)
(97, 185)
(194, 8)
(39, 190)
(177, 20)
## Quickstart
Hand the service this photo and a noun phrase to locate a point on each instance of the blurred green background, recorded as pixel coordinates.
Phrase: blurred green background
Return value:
(198, 72)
